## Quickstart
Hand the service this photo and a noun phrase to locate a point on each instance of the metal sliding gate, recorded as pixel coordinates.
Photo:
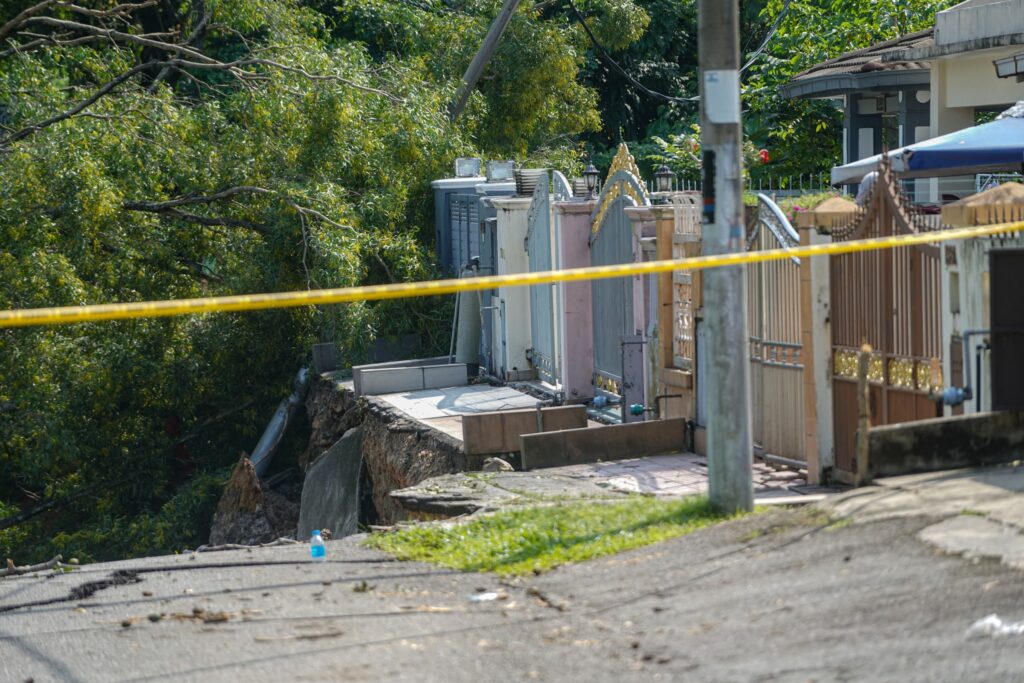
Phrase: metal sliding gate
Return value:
(776, 351)
(889, 298)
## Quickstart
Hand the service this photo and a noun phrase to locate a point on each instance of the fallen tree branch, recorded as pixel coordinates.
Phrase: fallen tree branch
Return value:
(21, 517)
(23, 16)
(12, 570)
(75, 110)
(209, 221)
(195, 199)
(305, 210)
(314, 77)
(122, 37)
(196, 33)
(115, 11)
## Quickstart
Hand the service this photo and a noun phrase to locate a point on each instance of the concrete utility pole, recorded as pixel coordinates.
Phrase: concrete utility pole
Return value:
(729, 441)
(483, 55)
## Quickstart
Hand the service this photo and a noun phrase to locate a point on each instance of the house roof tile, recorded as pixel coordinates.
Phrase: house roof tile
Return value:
(872, 58)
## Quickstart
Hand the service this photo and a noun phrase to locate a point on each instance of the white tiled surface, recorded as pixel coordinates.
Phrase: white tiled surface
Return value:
(478, 398)
(443, 409)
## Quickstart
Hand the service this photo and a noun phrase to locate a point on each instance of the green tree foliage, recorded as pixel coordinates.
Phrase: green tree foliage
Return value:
(532, 96)
(188, 148)
(805, 136)
(802, 136)
(186, 182)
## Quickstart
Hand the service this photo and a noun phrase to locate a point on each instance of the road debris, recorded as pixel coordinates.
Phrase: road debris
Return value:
(12, 570)
(993, 626)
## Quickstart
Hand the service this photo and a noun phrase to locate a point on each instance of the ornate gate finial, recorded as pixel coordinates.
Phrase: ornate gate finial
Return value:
(623, 161)
(623, 178)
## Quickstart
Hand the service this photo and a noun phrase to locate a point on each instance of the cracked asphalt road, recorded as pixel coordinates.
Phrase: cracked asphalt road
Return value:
(781, 597)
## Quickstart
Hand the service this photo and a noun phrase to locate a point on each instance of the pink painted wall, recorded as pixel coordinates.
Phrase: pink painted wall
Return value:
(572, 232)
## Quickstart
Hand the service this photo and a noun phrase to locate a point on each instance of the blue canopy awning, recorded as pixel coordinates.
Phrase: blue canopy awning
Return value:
(988, 148)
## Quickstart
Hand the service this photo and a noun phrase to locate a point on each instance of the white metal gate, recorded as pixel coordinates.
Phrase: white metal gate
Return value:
(543, 352)
(776, 349)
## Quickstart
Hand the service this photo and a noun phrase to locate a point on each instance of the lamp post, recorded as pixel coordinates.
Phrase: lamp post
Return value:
(590, 176)
(664, 178)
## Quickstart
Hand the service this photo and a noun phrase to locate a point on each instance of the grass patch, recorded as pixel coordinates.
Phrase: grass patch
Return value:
(536, 539)
(838, 524)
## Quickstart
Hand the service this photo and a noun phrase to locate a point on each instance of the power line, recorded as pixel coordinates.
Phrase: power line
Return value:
(607, 58)
(771, 34)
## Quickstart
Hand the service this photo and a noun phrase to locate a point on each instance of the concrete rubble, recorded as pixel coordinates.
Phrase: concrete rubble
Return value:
(666, 475)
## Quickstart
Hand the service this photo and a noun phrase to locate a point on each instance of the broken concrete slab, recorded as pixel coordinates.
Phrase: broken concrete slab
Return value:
(612, 442)
(664, 475)
(458, 400)
(453, 495)
(330, 493)
(500, 432)
(976, 537)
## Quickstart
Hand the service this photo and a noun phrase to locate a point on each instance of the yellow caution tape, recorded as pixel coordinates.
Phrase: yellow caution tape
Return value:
(252, 302)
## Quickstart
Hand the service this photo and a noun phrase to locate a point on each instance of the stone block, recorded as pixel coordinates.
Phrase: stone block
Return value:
(500, 432)
(330, 493)
(945, 443)
(596, 444)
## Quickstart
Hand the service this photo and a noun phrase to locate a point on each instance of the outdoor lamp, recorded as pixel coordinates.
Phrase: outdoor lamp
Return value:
(590, 175)
(663, 178)
(1010, 66)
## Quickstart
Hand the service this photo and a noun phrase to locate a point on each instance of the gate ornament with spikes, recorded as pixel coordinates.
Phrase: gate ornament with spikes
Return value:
(623, 178)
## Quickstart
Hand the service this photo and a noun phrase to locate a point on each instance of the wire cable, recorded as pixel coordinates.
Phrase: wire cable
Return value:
(767, 38)
(607, 58)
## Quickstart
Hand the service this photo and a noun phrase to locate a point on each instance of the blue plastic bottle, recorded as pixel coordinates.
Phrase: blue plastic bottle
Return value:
(317, 550)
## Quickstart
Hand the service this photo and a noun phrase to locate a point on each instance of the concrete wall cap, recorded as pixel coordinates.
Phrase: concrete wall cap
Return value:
(511, 203)
(457, 183)
(639, 213)
(576, 206)
(488, 188)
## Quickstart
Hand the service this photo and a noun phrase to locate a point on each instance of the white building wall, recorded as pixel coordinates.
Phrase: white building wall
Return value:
(971, 80)
(973, 20)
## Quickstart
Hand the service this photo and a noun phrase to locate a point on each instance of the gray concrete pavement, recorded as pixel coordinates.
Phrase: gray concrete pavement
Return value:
(979, 511)
(785, 596)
